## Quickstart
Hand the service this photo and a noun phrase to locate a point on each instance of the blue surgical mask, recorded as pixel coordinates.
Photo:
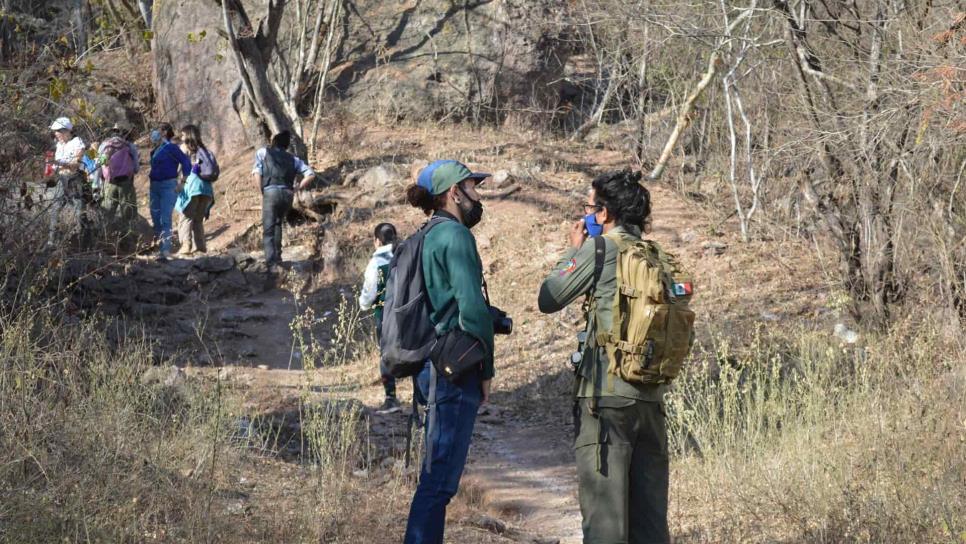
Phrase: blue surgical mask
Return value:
(155, 136)
(594, 228)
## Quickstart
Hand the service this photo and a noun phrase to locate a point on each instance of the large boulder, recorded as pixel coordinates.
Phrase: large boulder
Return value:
(194, 75)
(415, 60)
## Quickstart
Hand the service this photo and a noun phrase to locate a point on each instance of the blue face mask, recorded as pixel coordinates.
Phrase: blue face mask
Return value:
(155, 136)
(594, 228)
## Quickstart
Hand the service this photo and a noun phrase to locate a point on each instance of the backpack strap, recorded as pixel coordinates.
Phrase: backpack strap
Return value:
(600, 251)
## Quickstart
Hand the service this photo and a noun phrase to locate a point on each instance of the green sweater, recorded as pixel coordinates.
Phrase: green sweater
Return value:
(453, 272)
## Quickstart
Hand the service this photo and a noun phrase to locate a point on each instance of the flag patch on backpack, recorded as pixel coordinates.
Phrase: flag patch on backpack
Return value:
(682, 289)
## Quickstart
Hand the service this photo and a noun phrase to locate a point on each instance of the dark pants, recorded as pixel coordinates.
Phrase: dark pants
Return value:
(120, 205)
(456, 406)
(388, 380)
(276, 203)
(70, 193)
(622, 466)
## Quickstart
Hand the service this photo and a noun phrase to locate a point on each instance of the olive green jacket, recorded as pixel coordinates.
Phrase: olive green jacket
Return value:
(573, 278)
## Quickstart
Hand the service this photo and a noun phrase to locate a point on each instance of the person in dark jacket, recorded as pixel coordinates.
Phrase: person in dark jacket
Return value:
(168, 165)
(275, 171)
(453, 274)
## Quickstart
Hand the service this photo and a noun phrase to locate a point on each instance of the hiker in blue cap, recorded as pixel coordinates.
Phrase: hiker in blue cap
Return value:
(453, 274)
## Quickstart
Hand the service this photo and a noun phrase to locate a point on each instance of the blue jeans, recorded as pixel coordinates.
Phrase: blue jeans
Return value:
(456, 406)
(163, 198)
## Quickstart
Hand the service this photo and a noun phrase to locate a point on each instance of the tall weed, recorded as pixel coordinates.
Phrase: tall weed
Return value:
(797, 438)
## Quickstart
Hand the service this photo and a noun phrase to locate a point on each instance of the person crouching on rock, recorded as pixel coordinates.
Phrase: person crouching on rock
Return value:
(373, 296)
(166, 160)
(275, 171)
(197, 196)
(453, 276)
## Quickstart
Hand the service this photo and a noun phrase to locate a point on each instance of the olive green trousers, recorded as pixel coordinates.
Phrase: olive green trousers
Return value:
(622, 465)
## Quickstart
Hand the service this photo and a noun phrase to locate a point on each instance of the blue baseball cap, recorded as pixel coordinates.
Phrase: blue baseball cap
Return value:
(439, 176)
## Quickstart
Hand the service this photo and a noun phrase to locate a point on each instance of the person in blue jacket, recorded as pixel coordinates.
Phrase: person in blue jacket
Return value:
(168, 165)
(197, 196)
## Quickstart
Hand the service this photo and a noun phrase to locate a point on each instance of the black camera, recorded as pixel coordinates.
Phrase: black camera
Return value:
(502, 324)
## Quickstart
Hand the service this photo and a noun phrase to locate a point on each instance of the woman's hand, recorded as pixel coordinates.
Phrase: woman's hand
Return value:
(578, 234)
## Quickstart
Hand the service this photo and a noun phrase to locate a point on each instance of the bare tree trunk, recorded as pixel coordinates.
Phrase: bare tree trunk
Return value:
(274, 113)
(326, 63)
(598, 115)
(79, 17)
(146, 7)
(684, 116)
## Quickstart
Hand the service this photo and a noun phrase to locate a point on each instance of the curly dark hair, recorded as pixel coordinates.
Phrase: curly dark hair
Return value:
(622, 194)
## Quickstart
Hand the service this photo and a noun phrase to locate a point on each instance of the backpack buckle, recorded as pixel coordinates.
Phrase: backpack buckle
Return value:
(629, 291)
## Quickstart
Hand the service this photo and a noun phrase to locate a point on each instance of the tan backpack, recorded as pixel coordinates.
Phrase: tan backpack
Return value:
(653, 327)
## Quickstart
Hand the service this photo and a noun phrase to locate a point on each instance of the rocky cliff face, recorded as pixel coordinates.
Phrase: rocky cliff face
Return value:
(430, 59)
(193, 73)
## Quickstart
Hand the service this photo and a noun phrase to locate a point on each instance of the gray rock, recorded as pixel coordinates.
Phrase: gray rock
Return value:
(215, 263)
(419, 61)
(712, 248)
(241, 315)
(500, 179)
(381, 184)
(170, 376)
(167, 296)
(845, 334)
(197, 278)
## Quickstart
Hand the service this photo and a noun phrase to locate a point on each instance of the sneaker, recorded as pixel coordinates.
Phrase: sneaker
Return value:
(389, 406)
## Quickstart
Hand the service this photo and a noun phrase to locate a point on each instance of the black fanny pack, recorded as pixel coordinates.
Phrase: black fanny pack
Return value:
(457, 354)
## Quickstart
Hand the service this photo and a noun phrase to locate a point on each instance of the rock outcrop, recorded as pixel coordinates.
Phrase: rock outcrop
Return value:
(418, 60)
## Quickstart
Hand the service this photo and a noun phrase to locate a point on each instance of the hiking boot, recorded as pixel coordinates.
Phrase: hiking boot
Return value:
(389, 406)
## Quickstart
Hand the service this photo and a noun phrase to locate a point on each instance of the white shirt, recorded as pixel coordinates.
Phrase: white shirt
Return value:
(370, 285)
(68, 152)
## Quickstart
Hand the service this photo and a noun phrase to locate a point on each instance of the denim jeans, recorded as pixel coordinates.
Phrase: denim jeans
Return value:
(163, 198)
(276, 203)
(456, 406)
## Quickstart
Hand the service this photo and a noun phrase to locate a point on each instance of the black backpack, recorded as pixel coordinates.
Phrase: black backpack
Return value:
(408, 334)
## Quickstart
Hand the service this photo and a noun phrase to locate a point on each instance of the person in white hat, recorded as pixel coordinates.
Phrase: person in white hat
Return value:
(70, 182)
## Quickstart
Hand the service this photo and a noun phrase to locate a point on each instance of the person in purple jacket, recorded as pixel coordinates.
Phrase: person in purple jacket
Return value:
(168, 165)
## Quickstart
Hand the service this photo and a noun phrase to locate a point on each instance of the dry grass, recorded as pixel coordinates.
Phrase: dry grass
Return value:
(98, 445)
(797, 439)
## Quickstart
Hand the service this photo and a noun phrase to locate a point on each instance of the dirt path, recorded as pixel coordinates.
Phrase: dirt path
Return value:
(525, 475)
